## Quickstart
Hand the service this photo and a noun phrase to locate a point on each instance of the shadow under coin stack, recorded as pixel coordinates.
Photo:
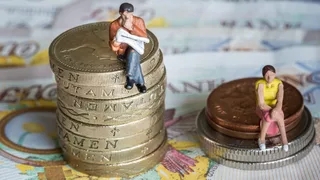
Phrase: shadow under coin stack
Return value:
(228, 128)
(105, 129)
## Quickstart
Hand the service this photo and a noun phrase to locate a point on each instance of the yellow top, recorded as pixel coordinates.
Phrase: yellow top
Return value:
(270, 91)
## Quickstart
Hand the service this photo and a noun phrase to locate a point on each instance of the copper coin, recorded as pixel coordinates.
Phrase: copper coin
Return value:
(245, 154)
(303, 130)
(246, 135)
(232, 105)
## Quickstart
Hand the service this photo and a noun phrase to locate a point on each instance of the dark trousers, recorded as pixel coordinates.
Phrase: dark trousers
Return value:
(133, 67)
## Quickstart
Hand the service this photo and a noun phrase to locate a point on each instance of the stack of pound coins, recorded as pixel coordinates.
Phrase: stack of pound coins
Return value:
(229, 128)
(103, 128)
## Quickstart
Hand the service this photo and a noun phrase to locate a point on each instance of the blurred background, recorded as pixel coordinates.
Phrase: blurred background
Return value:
(205, 43)
(182, 26)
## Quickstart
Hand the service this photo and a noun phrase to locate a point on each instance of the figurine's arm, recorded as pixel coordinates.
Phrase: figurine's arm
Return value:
(115, 46)
(139, 28)
(259, 92)
(280, 97)
(262, 105)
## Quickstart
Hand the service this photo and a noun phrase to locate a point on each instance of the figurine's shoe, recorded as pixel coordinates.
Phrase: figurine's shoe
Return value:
(121, 58)
(141, 88)
(129, 84)
(286, 147)
(262, 146)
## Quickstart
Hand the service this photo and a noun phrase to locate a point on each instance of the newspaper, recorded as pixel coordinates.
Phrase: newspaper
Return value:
(136, 42)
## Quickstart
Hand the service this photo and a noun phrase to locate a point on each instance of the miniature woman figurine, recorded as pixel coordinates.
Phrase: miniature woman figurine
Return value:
(269, 91)
(135, 26)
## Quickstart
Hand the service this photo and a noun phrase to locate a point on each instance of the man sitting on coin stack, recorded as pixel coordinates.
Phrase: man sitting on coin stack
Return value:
(126, 48)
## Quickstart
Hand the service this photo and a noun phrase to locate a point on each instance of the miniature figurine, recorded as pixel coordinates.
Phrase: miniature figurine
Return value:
(269, 91)
(132, 30)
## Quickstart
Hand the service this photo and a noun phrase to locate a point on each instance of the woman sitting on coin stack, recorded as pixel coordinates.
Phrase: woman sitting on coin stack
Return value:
(269, 92)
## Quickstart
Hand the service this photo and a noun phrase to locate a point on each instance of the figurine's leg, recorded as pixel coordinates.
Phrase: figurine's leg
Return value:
(134, 70)
(279, 117)
(131, 68)
(140, 80)
(263, 133)
(265, 123)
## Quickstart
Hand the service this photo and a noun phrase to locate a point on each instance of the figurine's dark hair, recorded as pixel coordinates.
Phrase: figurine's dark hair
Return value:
(126, 7)
(267, 68)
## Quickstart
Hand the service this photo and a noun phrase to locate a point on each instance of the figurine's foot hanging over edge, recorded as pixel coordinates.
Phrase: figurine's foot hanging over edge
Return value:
(129, 84)
(286, 147)
(262, 146)
(121, 58)
(141, 88)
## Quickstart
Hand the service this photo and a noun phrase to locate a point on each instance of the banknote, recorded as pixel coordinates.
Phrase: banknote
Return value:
(183, 40)
(250, 14)
(218, 13)
(24, 47)
(199, 73)
(29, 13)
(29, 47)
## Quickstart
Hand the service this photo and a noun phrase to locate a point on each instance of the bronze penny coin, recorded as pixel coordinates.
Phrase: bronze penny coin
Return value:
(247, 135)
(232, 105)
(246, 152)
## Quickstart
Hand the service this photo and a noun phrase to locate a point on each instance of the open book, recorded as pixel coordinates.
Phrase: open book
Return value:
(136, 42)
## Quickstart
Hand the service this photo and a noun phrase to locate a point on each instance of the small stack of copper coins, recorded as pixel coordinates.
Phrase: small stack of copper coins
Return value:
(103, 128)
(229, 128)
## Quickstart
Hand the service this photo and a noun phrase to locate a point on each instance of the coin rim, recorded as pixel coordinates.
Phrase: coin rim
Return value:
(246, 134)
(114, 121)
(53, 46)
(158, 154)
(156, 70)
(155, 88)
(243, 154)
(158, 125)
(6, 141)
(269, 164)
(157, 114)
(116, 154)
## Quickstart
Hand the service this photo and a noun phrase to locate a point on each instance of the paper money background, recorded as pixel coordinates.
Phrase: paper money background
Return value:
(205, 43)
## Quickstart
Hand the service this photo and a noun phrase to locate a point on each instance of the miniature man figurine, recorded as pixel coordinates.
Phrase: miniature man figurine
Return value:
(135, 26)
(269, 91)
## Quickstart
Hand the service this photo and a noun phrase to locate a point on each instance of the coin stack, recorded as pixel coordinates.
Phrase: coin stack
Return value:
(228, 128)
(105, 129)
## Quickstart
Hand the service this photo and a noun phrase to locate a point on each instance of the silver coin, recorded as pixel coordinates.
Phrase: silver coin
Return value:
(268, 164)
(214, 143)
